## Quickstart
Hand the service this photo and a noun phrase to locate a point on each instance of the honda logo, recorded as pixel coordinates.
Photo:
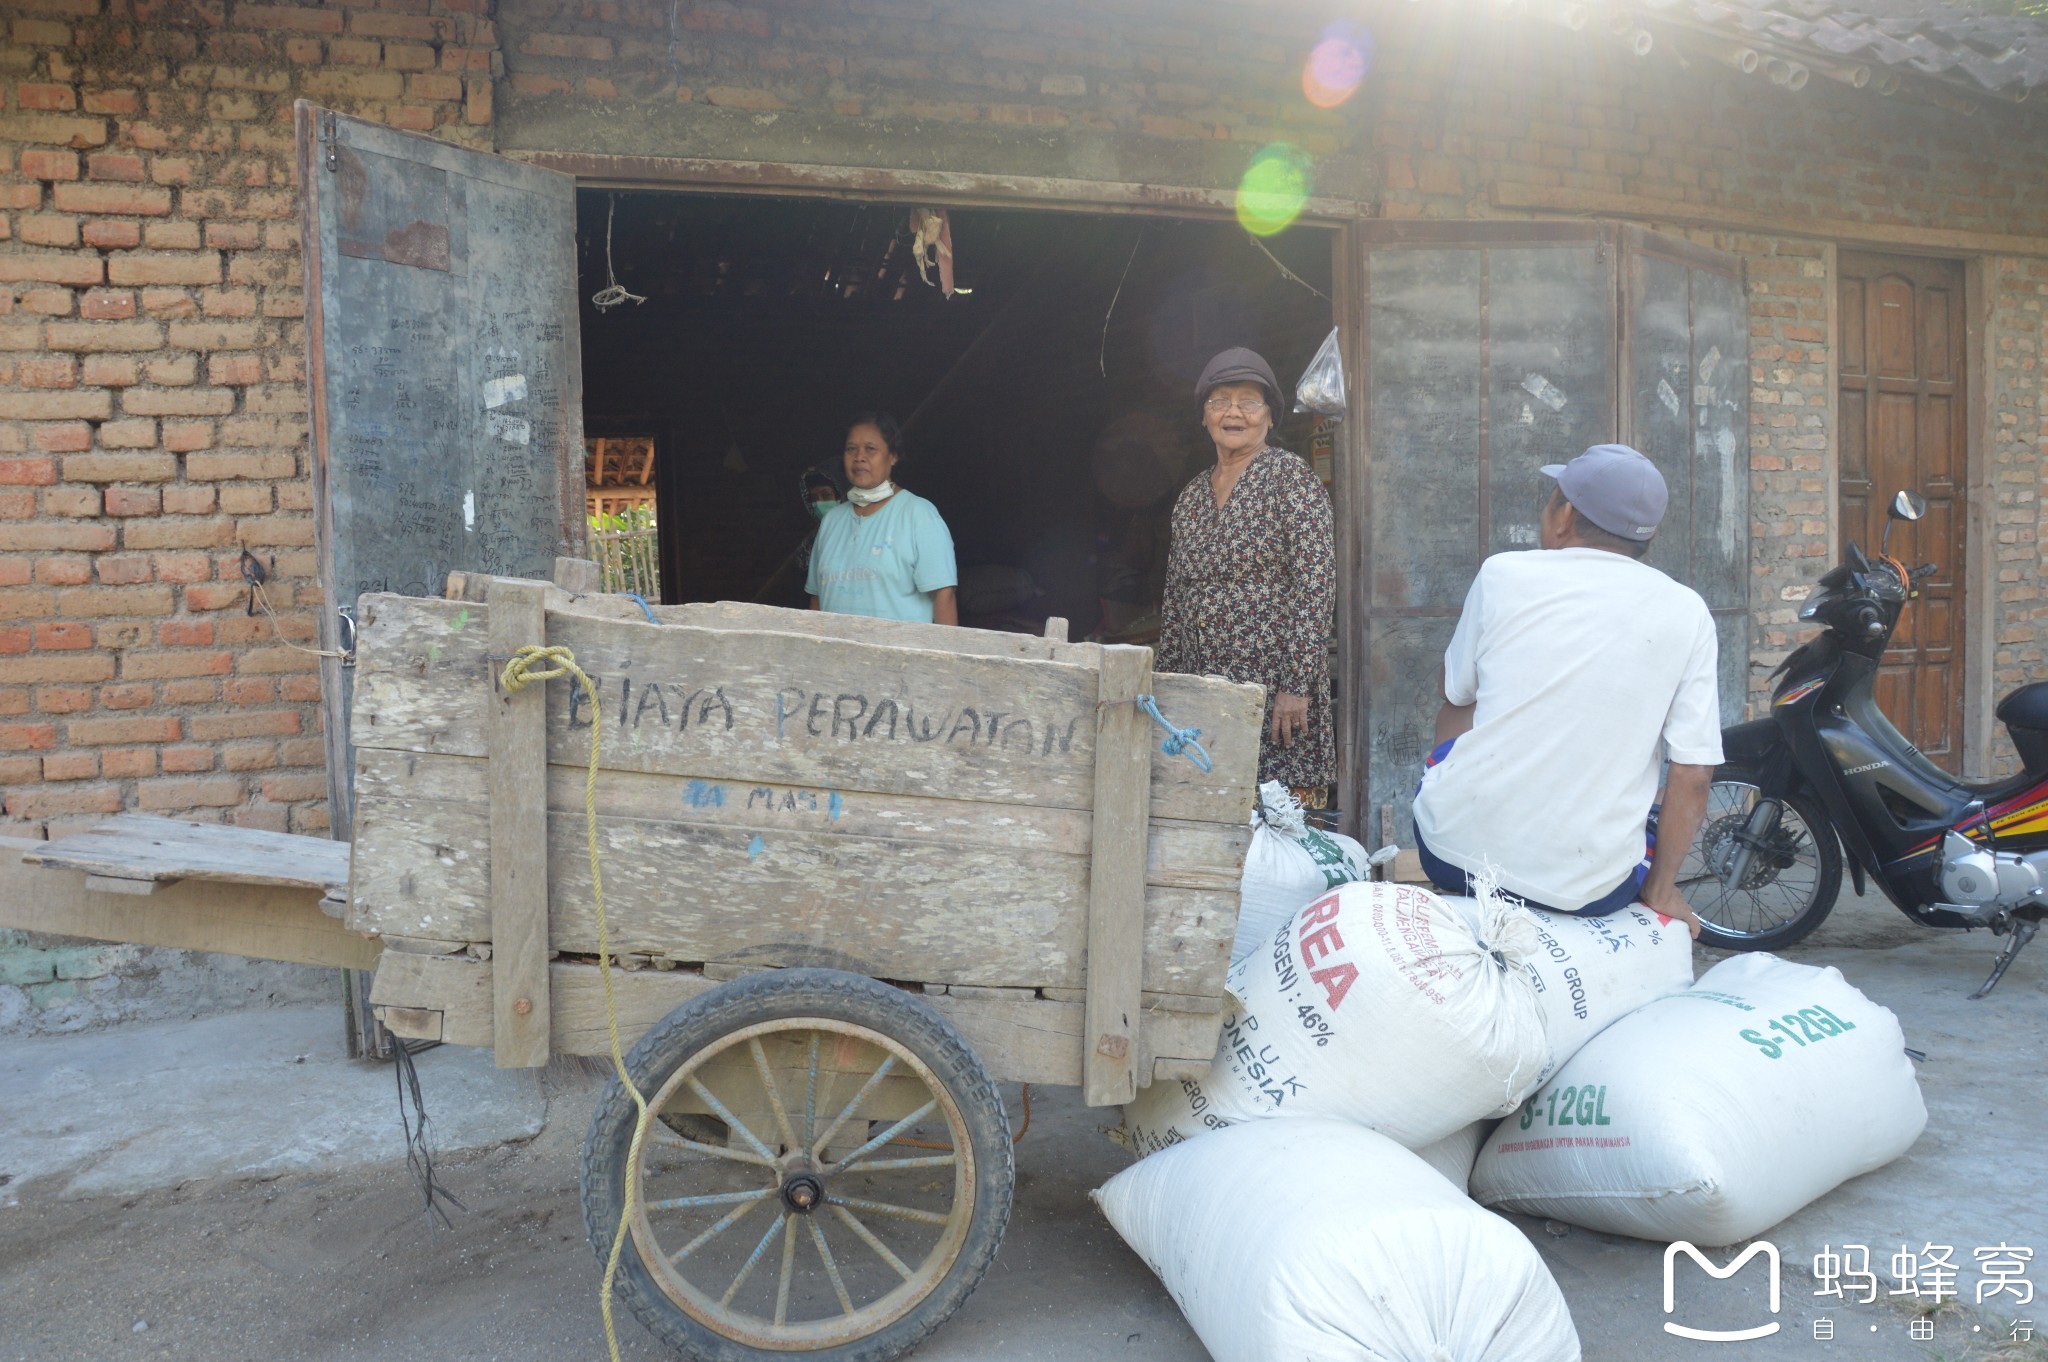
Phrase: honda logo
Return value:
(1761, 1246)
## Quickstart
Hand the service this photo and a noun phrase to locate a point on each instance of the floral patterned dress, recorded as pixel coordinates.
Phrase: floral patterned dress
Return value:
(1251, 589)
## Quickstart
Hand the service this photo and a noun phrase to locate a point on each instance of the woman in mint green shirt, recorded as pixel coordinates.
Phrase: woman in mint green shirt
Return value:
(883, 552)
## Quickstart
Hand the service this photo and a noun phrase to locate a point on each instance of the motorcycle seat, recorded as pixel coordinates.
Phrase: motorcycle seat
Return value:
(2026, 707)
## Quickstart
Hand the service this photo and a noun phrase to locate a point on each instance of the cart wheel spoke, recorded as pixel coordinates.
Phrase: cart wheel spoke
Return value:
(788, 1269)
(867, 1236)
(774, 1095)
(893, 1211)
(811, 1095)
(732, 1218)
(753, 1260)
(891, 1133)
(724, 1112)
(831, 1268)
(677, 1203)
(716, 1151)
(922, 1161)
(874, 1081)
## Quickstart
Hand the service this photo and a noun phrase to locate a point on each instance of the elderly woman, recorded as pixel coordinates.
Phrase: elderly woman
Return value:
(883, 551)
(1251, 576)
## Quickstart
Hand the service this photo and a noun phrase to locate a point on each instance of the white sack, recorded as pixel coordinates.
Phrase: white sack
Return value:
(1379, 1004)
(1592, 971)
(1454, 1154)
(1713, 1114)
(1317, 1240)
(1288, 864)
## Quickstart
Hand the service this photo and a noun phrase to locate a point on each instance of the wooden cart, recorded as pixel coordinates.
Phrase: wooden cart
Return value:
(855, 874)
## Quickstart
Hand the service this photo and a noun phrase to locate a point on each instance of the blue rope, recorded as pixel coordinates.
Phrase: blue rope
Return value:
(641, 601)
(1177, 740)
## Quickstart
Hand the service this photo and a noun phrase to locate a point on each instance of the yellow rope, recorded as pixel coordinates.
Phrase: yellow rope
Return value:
(530, 664)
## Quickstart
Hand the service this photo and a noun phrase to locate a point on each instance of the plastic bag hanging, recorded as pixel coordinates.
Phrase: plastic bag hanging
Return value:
(1321, 389)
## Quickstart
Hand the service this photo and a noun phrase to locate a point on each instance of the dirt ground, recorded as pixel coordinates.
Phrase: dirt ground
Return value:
(327, 1261)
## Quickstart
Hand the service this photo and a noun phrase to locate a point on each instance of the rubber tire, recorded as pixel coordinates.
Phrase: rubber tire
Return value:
(770, 996)
(1827, 888)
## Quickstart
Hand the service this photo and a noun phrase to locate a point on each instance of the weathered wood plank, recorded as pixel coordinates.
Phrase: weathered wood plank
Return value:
(783, 707)
(517, 777)
(898, 887)
(136, 846)
(1021, 1041)
(1116, 878)
(260, 921)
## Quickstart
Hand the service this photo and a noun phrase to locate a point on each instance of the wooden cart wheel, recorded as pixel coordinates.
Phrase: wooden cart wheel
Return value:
(830, 1171)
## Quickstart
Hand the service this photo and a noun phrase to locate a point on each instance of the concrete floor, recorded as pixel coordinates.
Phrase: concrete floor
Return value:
(228, 1188)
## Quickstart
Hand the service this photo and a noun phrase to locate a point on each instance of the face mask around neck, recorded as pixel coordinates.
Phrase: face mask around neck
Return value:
(869, 496)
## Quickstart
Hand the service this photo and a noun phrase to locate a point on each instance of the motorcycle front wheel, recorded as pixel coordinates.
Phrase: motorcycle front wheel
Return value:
(1791, 882)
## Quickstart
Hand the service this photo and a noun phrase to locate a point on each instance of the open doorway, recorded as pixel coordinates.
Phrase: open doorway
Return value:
(1047, 405)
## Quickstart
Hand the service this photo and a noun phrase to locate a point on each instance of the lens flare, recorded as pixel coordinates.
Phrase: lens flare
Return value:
(1275, 187)
(1337, 65)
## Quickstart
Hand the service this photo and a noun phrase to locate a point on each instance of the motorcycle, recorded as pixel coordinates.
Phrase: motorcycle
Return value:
(1828, 772)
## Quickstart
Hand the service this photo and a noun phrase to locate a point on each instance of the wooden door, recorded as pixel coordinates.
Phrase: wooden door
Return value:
(1490, 350)
(445, 373)
(1902, 423)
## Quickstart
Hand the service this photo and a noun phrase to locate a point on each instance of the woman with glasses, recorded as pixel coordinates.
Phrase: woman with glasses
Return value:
(882, 552)
(1251, 580)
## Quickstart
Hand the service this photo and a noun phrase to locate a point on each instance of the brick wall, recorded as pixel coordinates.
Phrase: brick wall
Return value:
(2017, 436)
(152, 404)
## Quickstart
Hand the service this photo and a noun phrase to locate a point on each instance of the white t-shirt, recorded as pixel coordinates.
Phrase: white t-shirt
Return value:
(1583, 664)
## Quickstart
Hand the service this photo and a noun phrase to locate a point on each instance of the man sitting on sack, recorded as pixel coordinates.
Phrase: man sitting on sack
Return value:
(1572, 674)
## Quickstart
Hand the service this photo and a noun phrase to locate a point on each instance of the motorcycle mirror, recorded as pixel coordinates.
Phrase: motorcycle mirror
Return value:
(1908, 506)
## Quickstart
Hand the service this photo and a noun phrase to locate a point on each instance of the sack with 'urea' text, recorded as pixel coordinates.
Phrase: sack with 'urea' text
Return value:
(1714, 1113)
(1288, 864)
(1376, 1003)
(1316, 1239)
(1590, 972)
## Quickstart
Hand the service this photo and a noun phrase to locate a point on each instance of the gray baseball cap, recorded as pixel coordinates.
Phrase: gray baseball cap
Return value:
(1614, 487)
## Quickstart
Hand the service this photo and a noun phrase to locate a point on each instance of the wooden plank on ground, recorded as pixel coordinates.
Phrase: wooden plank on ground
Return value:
(1022, 1041)
(136, 846)
(261, 922)
(896, 887)
(750, 706)
(1116, 879)
(517, 776)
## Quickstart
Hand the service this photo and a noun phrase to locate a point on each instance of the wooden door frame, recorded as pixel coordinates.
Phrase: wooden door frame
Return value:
(1344, 219)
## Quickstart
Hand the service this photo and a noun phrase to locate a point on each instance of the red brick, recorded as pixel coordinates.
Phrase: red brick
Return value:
(250, 690)
(185, 760)
(172, 795)
(252, 756)
(135, 728)
(27, 737)
(15, 771)
(58, 572)
(114, 165)
(61, 667)
(55, 406)
(50, 267)
(276, 723)
(127, 763)
(47, 229)
(193, 690)
(195, 267)
(290, 18)
(49, 165)
(185, 633)
(49, 302)
(94, 602)
(16, 638)
(47, 98)
(60, 636)
(112, 102)
(237, 370)
(64, 699)
(107, 305)
(28, 472)
(47, 803)
(105, 336)
(129, 570)
(233, 236)
(112, 235)
(71, 766)
(133, 501)
(111, 198)
(176, 665)
(286, 789)
(171, 236)
(57, 372)
(132, 696)
(184, 437)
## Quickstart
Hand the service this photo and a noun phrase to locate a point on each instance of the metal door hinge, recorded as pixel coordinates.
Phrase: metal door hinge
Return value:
(327, 135)
(347, 632)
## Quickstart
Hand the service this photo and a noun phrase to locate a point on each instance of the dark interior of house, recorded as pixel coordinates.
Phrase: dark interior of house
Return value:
(1047, 405)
